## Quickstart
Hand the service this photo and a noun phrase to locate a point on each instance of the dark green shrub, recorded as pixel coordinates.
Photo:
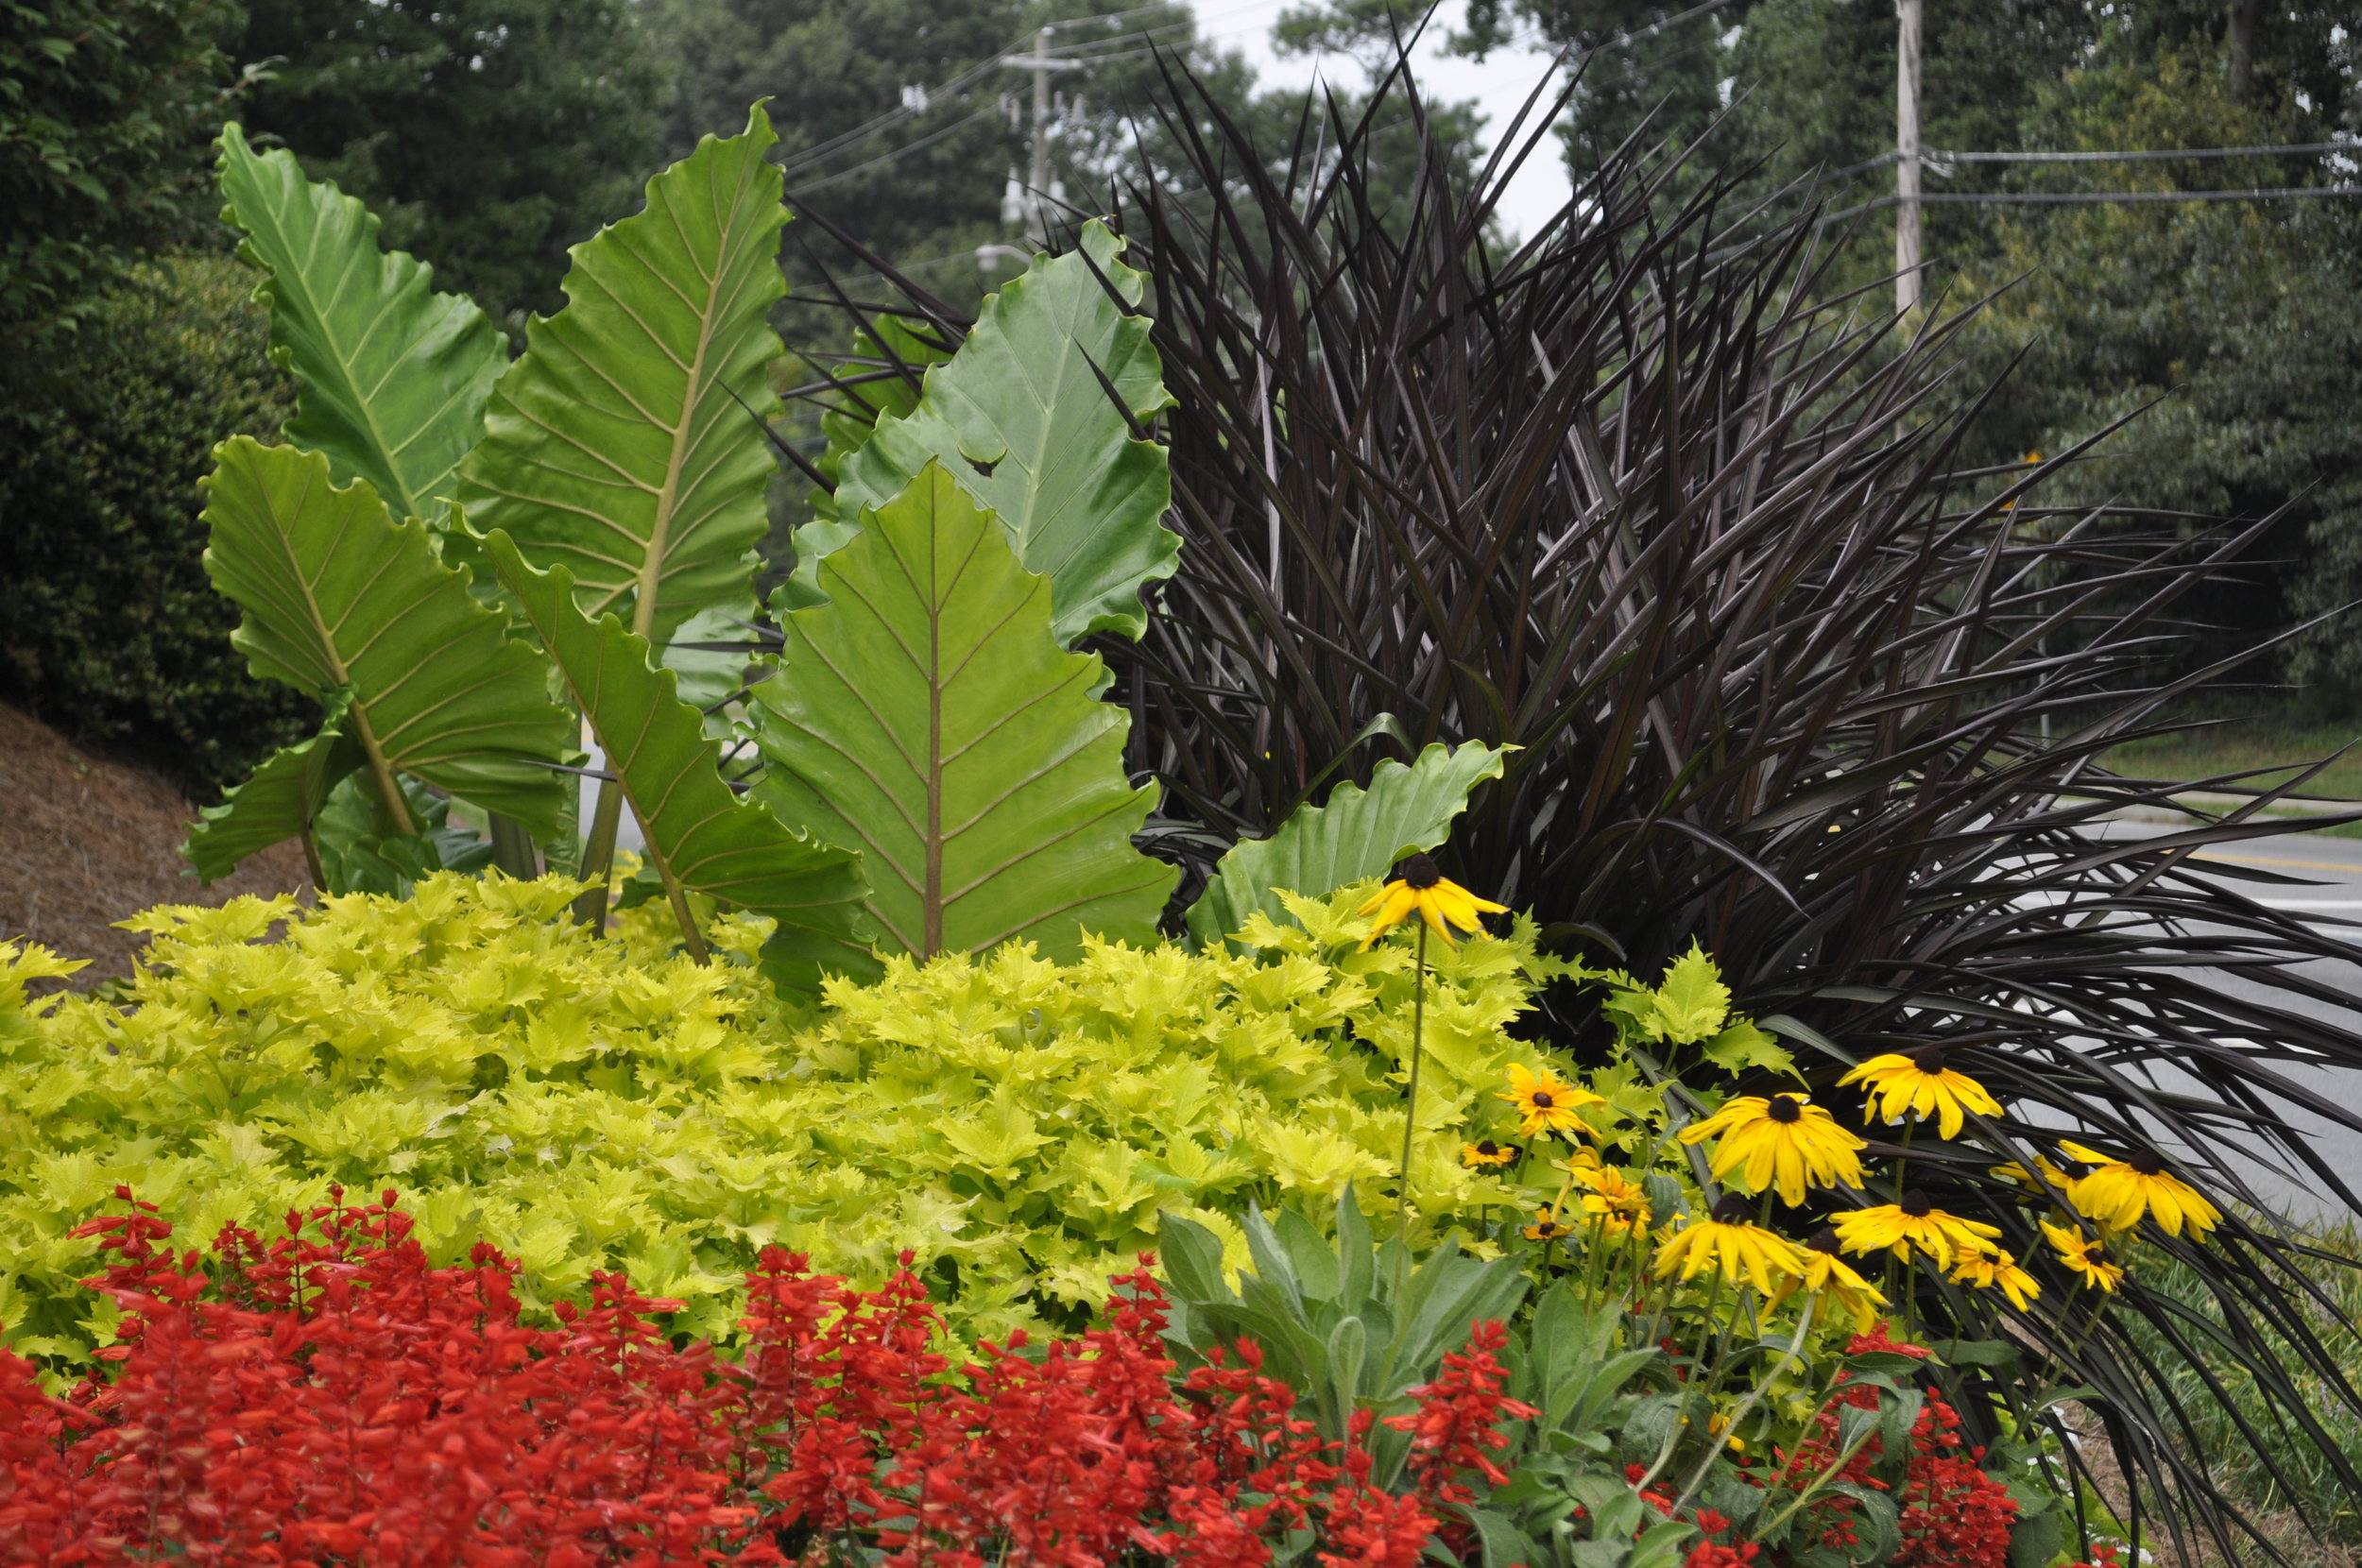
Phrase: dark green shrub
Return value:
(108, 629)
(104, 108)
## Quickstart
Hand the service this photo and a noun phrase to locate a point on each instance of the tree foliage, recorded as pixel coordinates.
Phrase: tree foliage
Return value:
(105, 107)
(490, 135)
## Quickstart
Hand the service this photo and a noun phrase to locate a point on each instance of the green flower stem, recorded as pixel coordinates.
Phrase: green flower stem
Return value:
(1706, 1385)
(1410, 1110)
(1754, 1396)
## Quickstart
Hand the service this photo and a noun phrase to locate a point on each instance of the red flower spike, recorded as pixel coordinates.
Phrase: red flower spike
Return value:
(330, 1394)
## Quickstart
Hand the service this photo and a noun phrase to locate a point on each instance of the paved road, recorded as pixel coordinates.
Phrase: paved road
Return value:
(2331, 901)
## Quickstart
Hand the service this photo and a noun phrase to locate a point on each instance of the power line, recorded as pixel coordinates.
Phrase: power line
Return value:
(2158, 155)
(889, 157)
(951, 88)
(1126, 46)
(958, 85)
(1830, 176)
(2083, 199)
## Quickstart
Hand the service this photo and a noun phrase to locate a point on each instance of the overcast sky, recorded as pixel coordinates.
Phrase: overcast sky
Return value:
(1499, 83)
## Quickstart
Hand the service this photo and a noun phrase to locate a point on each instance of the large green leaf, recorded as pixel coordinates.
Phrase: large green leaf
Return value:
(847, 431)
(700, 835)
(341, 599)
(281, 801)
(1359, 833)
(625, 443)
(926, 714)
(390, 376)
(359, 849)
(1021, 416)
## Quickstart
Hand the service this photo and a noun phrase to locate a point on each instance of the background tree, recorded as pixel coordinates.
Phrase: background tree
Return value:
(489, 135)
(108, 629)
(2234, 319)
(899, 124)
(105, 109)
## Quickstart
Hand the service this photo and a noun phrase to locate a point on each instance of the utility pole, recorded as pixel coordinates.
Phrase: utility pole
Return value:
(1039, 189)
(1907, 204)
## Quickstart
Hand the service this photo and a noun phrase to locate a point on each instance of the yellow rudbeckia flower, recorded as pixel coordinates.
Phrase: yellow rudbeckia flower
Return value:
(1914, 1225)
(1827, 1274)
(1918, 1082)
(1784, 1140)
(1420, 889)
(1485, 1154)
(1617, 1205)
(1546, 1227)
(2087, 1258)
(1993, 1269)
(1729, 1242)
(1546, 1102)
(2119, 1192)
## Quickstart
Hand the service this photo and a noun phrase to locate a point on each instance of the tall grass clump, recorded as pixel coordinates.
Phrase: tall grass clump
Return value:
(1650, 502)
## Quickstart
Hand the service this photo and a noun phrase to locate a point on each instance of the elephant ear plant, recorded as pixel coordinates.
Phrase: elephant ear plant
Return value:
(470, 565)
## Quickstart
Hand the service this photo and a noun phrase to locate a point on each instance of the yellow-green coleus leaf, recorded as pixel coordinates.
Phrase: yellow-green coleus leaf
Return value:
(590, 1103)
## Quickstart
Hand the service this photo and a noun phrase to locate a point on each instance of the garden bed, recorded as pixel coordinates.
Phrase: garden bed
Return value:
(86, 842)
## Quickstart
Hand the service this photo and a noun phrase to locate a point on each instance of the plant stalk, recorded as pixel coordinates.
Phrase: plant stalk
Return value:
(598, 854)
(678, 898)
(1754, 1396)
(388, 788)
(1411, 1112)
(513, 849)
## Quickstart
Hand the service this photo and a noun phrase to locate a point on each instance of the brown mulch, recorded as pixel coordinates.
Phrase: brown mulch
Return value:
(86, 842)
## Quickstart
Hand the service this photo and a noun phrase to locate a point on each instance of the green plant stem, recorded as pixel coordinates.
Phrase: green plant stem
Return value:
(1754, 1396)
(1410, 1110)
(678, 898)
(512, 848)
(1704, 1386)
(381, 771)
(598, 854)
(1844, 1457)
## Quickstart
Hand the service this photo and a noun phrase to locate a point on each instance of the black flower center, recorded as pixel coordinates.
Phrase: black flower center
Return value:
(1783, 1108)
(2095, 1253)
(1915, 1204)
(1542, 1100)
(1418, 872)
(1928, 1059)
(1733, 1210)
(1488, 1148)
(2146, 1162)
(1824, 1240)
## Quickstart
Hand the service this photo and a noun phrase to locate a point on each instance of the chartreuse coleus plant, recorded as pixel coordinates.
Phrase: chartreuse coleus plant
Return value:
(1019, 1124)
(467, 561)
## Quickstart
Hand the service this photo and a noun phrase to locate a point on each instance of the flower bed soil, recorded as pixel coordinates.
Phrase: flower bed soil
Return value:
(85, 841)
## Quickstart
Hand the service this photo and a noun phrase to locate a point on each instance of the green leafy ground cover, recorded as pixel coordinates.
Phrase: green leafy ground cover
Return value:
(589, 1102)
